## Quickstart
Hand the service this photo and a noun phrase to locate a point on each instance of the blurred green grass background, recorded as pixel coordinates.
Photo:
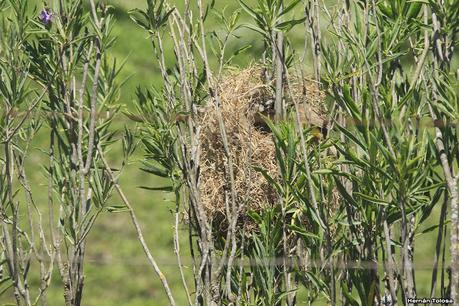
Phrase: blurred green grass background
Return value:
(116, 271)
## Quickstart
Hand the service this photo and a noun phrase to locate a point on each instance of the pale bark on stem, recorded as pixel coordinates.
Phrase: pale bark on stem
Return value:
(213, 91)
(85, 167)
(304, 151)
(441, 231)
(138, 228)
(80, 116)
(190, 163)
(374, 89)
(80, 245)
(234, 211)
(95, 89)
(278, 45)
(69, 268)
(8, 238)
(93, 119)
(45, 275)
(305, 156)
(177, 247)
(343, 22)
(451, 182)
(170, 99)
(391, 274)
(312, 13)
(54, 238)
(441, 61)
(410, 289)
(425, 52)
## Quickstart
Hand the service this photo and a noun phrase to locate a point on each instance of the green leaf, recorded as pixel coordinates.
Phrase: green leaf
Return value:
(351, 136)
(324, 171)
(165, 188)
(348, 295)
(288, 25)
(273, 182)
(155, 171)
(431, 228)
(371, 199)
(256, 29)
(289, 8)
(344, 193)
(303, 232)
(117, 209)
(248, 9)
(316, 281)
(372, 293)
(283, 295)
(350, 103)
(414, 8)
(242, 50)
(5, 284)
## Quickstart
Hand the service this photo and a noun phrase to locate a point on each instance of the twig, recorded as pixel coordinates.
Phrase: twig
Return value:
(137, 228)
(92, 125)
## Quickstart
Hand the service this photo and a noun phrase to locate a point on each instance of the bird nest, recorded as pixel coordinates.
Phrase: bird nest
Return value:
(244, 95)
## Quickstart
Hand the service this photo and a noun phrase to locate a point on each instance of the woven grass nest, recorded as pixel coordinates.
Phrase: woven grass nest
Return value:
(242, 92)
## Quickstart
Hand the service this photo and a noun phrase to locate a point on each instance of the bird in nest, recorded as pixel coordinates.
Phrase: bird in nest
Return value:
(317, 123)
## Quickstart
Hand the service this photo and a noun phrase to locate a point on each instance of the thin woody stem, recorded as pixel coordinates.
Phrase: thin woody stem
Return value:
(137, 227)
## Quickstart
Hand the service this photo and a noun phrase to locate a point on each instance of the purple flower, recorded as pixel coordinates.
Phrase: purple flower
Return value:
(45, 16)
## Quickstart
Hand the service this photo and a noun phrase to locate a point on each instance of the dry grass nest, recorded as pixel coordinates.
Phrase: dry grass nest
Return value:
(241, 92)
